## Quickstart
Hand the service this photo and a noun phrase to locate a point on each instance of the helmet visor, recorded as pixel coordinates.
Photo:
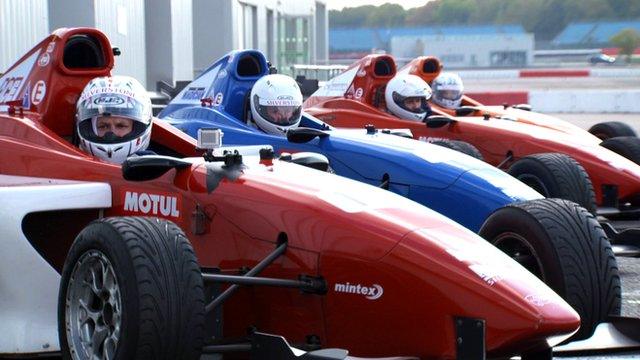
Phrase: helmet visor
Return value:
(110, 129)
(414, 104)
(113, 104)
(279, 112)
(452, 95)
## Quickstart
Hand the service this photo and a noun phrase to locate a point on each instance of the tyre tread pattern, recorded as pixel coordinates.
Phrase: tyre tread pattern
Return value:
(571, 181)
(164, 305)
(170, 288)
(589, 270)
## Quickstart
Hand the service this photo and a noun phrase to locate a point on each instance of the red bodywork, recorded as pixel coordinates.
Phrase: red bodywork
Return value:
(358, 99)
(430, 269)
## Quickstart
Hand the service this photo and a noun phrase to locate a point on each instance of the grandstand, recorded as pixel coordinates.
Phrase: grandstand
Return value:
(356, 42)
(591, 34)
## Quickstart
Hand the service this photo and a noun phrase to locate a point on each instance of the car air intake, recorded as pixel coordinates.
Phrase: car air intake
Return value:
(430, 66)
(383, 67)
(83, 52)
(249, 66)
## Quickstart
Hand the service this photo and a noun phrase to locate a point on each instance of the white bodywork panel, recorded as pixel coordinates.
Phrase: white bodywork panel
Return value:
(28, 284)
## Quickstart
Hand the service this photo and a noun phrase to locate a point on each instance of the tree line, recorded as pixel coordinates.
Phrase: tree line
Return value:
(544, 18)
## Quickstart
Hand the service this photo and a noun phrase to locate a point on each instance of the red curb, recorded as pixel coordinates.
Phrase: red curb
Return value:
(554, 73)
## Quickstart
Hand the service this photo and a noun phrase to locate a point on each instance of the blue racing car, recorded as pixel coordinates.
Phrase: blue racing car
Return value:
(557, 240)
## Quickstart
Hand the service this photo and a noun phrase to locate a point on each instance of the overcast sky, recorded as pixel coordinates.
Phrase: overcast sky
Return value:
(339, 4)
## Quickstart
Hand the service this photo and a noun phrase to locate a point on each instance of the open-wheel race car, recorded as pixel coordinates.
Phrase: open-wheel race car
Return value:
(356, 98)
(480, 197)
(616, 136)
(140, 261)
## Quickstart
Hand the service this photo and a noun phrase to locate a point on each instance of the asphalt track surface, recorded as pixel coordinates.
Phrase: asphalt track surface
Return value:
(629, 268)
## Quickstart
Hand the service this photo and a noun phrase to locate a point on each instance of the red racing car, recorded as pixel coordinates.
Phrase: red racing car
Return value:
(330, 262)
(616, 136)
(520, 145)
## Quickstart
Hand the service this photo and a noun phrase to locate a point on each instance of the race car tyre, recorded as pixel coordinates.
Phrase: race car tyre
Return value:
(611, 129)
(565, 246)
(131, 288)
(556, 176)
(469, 149)
(460, 146)
(627, 146)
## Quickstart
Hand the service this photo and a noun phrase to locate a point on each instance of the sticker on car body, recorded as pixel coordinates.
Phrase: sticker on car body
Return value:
(372, 292)
(151, 203)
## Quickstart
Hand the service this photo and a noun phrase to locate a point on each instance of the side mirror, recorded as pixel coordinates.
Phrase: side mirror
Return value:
(437, 121)
(309, 159)
(405, 133)
(465, 110)
(303, 135)
(149, 167)
(525, 107)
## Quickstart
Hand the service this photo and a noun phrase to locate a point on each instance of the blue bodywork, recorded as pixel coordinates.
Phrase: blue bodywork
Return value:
(465, 189)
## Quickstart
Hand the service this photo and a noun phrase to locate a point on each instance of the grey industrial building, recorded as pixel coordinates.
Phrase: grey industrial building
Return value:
(172, 40)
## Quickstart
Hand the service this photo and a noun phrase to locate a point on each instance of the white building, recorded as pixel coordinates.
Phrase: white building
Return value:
(173, 40)
(456, 51)
(288, 31)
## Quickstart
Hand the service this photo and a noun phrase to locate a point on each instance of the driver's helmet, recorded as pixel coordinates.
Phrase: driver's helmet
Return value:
(113, 118)
(406, 96)
(276, 104)
(447, 90)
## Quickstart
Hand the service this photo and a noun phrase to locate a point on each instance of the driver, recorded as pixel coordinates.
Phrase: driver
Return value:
(406, 97)
(447, 90)
(113, 118)
(276, 104)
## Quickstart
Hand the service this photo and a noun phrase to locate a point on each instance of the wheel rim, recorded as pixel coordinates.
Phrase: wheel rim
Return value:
(93, 311)
(534, 182)
(518, 248)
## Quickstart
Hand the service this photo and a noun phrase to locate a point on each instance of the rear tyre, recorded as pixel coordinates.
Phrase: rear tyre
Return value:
(556, 176)
(131, 289)
(461, 146)
(627, 146)
(611, 129)
(564, 245)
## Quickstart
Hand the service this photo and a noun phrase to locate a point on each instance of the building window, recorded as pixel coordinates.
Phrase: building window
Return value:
(248, 34)
(293, 44)
(452, 58)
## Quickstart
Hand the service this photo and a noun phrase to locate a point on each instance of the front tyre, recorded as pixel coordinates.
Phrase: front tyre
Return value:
(556, 175)
(460, 146)
(131, 289)
(563, 244)
(611, 129)
(627, 146)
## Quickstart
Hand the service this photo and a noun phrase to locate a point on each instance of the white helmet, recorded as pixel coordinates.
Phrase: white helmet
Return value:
(102, 113)
(276, 104)
(406, 97)
(447, 90)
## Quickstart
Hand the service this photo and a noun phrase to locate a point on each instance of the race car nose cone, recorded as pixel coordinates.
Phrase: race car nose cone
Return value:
(521, 313)
(546, 323)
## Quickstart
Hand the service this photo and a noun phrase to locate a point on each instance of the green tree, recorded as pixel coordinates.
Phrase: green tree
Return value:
(386, 15)
(455, 11)
(627, 40)
(545, 18)
(350, 17)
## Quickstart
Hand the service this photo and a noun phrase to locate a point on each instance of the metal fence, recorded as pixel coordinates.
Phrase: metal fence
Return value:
(319, 72)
